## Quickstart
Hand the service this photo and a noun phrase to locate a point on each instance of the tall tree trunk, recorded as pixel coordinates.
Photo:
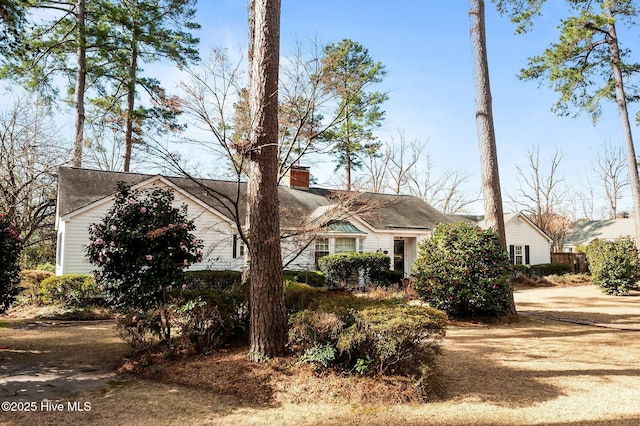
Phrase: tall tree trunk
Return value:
(484, 122)
(632, 164)
(347, 149)
(267, 312)
(81, 79)
(131, 99)
(491, 192)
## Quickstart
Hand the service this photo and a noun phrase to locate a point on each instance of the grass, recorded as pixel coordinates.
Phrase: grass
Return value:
(533, 371)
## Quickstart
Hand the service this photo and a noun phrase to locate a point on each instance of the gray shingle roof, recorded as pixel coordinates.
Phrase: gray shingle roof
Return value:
(582, 233)
(78, 188)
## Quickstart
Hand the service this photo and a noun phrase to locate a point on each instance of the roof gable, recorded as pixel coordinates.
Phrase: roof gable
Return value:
(151, 181)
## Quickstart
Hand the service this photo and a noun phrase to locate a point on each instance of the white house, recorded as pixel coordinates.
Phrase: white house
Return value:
(527, 243)
(314, 221)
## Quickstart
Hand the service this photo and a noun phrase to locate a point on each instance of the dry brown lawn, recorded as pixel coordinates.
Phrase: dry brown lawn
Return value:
(533, 371)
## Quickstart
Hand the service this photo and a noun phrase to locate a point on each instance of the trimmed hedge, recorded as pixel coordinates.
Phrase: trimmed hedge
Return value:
(220, 279)
(544, 269)
(71, 290)
(313, 278)
(341, 268)
(212, 279)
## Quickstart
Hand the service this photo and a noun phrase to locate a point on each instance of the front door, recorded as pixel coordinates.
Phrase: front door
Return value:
(398, 256)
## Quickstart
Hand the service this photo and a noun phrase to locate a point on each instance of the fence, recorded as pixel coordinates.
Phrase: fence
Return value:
(578, 260)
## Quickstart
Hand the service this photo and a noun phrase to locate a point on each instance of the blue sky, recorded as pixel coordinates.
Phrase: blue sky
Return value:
(425, 47)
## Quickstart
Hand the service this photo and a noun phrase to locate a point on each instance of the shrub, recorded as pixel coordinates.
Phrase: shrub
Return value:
(30, 281)
(212, 279)
(49, 267)
(313, 278)
(341, 268)
(461, 269)
(139, 329)
(298, 297)
(10, 249)
(543, 270)
(210, 318)
(73, 290)
(394, 339)
(614, 265)
(359, 334)
(141, 248)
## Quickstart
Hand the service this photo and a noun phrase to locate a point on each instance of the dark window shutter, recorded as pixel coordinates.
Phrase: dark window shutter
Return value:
(527, 260)
(235, 246)
(512, 253)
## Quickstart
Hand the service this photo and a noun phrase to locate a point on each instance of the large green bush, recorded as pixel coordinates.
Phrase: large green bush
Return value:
(342, 268)
(141, 248)
(462, 270)
(614, 265)
(10, 249)
(73, 290)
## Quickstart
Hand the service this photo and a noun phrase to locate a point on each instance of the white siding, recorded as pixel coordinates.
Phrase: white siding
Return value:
(304, 261)
(520, 233)
(216, 234)
(378, 242)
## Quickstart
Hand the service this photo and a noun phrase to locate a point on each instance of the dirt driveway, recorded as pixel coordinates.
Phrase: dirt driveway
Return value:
(47, 360)
(582, 305)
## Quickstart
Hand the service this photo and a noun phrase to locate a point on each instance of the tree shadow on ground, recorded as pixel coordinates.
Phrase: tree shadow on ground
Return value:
(629, 322)
(49, 360)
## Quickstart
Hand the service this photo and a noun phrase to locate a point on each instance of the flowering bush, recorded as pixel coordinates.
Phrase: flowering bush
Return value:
(141, 248)
(10, 249)
(463, 270)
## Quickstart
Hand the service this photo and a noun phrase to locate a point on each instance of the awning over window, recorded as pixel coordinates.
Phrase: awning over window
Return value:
(342, 227)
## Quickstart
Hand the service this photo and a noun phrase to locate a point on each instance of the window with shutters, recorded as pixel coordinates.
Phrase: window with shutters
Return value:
(518, 255)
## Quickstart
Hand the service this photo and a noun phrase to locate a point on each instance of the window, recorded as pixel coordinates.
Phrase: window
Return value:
(322, 248)
(238, 246)
(345, 245)
(520, 255)
(517, 260)
(59, 250)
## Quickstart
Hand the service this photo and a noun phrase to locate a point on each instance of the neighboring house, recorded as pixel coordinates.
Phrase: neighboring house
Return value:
(314, 221)
(582, 233)
(527, 243)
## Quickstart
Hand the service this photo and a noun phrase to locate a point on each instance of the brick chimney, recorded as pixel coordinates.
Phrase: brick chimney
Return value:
(297, 177)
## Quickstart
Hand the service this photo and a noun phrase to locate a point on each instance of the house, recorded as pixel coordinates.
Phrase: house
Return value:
(582, 233)
(527, 243)
(314, 221)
